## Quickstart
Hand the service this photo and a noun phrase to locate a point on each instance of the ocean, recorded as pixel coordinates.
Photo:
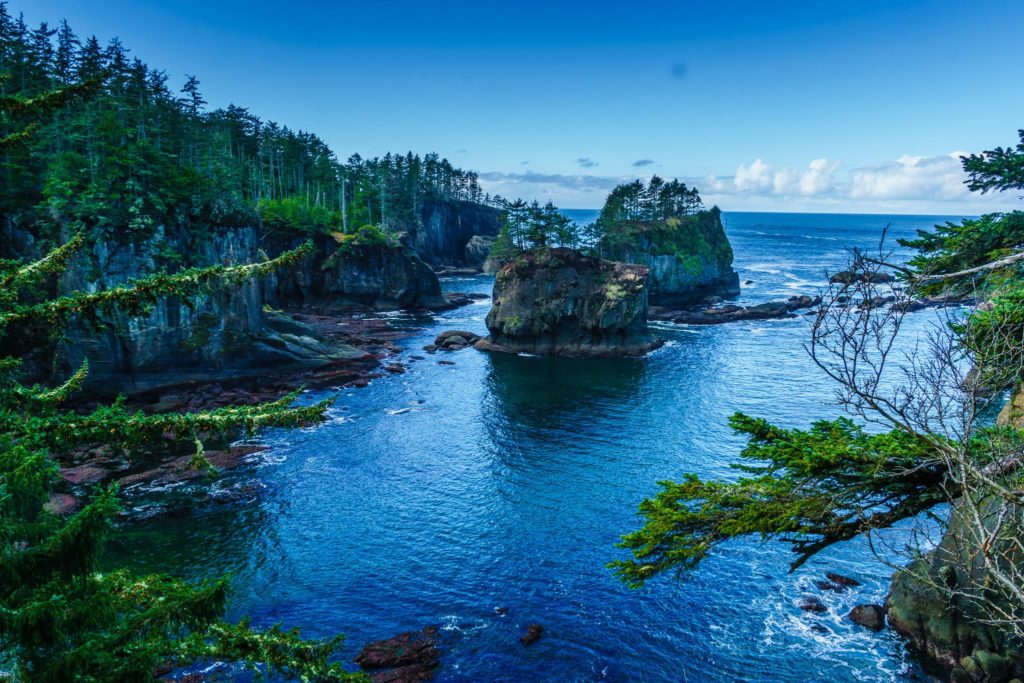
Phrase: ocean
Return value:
(442, 494)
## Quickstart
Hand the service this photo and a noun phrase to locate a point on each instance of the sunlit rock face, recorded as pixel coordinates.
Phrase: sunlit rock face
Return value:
(559, 302)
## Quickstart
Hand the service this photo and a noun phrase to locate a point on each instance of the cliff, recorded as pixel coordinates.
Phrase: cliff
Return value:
(689, 258)
(367, 269)
(224, 334)
(446, 227)
(559, 302)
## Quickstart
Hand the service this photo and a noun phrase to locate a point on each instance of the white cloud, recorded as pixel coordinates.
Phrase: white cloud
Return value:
(760, 177)
(909, 184)
(936, 178)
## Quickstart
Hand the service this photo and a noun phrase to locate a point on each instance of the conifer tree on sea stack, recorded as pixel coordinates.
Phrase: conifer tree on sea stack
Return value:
(60, 619)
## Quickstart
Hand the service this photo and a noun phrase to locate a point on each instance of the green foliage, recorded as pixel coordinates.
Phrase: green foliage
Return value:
(997, 169)
(811, 488)
(292, 215)
(532, 226)
(121, 153)
(60, 619)
(634, 202)
(953, 247)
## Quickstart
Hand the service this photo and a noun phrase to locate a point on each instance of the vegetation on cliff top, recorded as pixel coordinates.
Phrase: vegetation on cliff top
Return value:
(661, 218)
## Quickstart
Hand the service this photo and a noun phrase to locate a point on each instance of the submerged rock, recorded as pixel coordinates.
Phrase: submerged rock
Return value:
(841, 580)
(408, 656)
(533, 633)
(811, 604)
(559, 302)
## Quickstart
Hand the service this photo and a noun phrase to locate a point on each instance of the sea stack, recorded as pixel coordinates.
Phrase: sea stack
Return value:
(689, 257)
(558, 302)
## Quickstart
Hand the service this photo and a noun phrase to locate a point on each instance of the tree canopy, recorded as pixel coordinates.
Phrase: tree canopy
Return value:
(137, 154)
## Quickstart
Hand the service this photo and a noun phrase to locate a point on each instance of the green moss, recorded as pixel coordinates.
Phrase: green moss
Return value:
(368, 236)
(201, 332)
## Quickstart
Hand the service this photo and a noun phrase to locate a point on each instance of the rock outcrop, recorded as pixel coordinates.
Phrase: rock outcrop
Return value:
(227, 334)
(688, 258)
(943, 626)
(560, 302)
(477, 250)
(383, 277)
(370, 270)
(445, 229)
(716, 315)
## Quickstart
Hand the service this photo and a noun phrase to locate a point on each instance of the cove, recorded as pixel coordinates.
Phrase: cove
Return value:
(442, 494)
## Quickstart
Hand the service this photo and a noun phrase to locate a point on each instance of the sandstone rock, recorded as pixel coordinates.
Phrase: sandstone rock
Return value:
(559, 302)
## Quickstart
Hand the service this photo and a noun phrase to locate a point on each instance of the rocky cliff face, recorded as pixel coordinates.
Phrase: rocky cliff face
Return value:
(688, 258)
(224, 334)
(926, 602)
(446, 228)
(379, 276)
(559, 302)
(923, 605)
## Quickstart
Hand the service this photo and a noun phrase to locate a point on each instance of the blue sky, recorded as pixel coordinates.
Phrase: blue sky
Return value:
(798, 106)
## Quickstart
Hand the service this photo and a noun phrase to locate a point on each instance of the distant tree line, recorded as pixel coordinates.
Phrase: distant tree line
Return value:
(137, 154)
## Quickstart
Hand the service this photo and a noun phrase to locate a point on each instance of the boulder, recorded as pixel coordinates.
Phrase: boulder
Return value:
(408, 656)
(869, 616)
(453, 340)
(559, 302)
(477, 249)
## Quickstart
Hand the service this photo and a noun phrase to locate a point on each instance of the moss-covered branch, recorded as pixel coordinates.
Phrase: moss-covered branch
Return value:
(812, 488)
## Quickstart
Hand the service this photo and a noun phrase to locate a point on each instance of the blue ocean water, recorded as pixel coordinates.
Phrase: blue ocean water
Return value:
(439, 495)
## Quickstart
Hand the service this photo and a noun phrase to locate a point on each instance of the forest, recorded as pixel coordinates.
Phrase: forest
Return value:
(137, 153)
